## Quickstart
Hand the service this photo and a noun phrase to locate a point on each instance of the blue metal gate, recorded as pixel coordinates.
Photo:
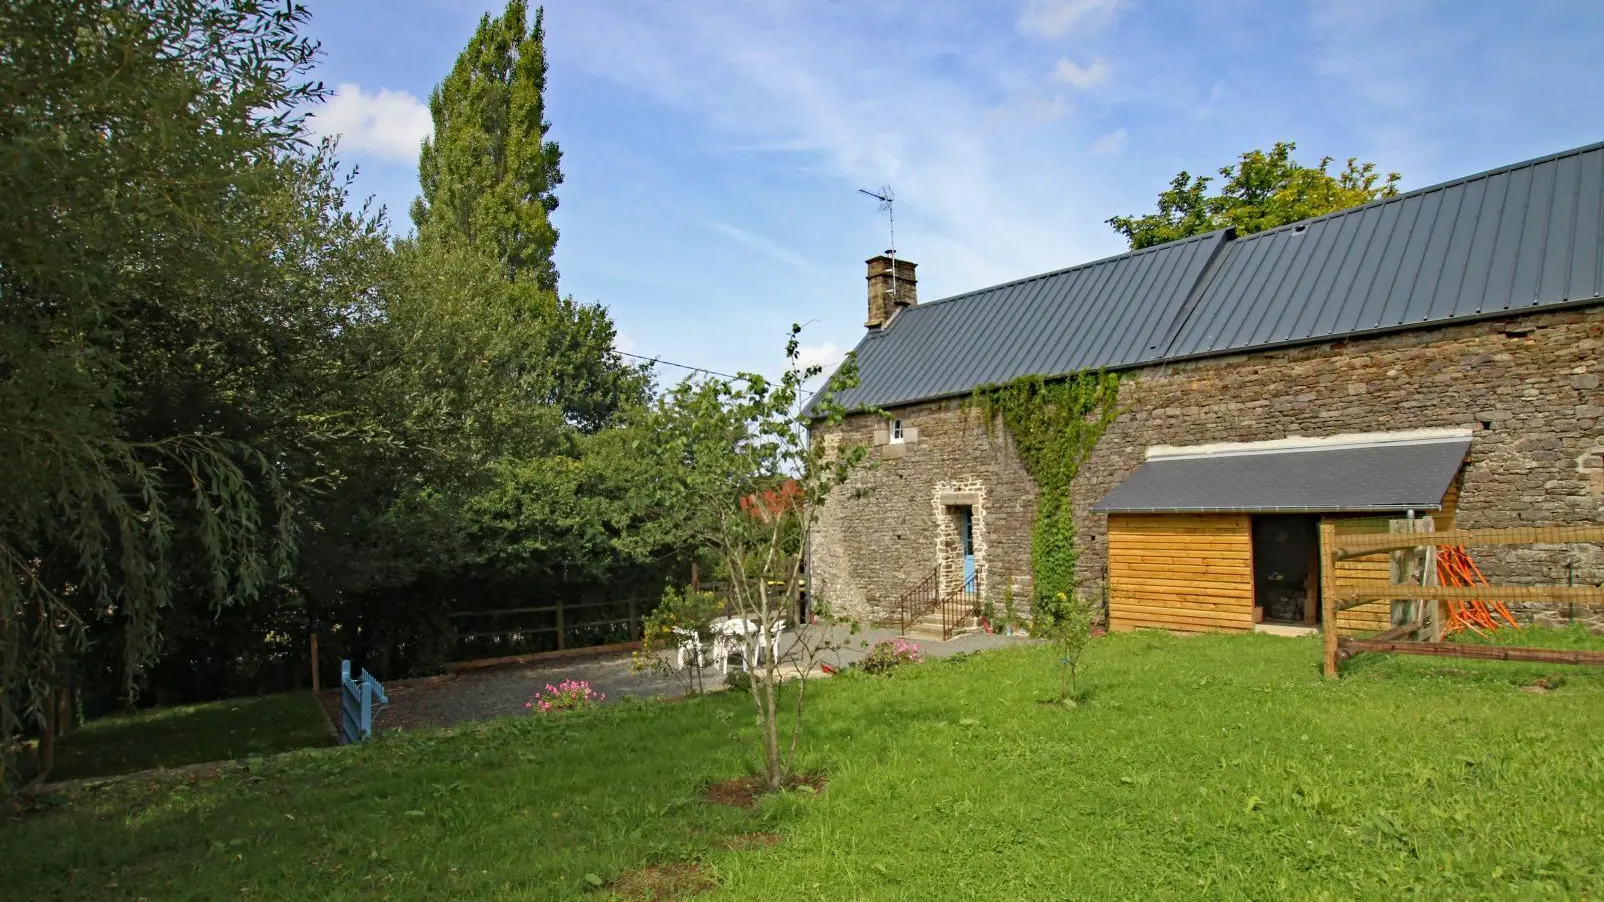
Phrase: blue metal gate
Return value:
(360, 700)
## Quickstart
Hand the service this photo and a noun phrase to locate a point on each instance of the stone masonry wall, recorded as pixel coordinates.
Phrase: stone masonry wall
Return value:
(1529, 387)
(892, 525)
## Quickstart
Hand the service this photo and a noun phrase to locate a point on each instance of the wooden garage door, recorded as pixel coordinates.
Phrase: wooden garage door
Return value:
(1187, 572)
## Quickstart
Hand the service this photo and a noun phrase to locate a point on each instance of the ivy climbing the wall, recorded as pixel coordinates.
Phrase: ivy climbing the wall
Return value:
(1055, 424)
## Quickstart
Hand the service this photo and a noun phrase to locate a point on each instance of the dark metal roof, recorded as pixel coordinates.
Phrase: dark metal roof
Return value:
(1383, 476)
(1525, 236)
(1503, 241)
(1105, 314)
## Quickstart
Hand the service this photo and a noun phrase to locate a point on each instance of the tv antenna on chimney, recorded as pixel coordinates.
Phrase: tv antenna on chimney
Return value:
(887, 199)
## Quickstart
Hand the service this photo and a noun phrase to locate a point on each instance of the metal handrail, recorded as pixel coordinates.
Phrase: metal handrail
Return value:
(919, 600)
(960, 605)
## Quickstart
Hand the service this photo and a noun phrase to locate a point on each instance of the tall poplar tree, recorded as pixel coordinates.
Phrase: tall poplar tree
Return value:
(489, 173)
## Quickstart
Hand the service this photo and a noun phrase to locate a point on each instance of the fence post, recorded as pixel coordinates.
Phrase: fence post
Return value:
(1328, 592)
(560, 645)
(366, 723)
(348, 723)
(1428, 577)
(634, 620)
(317, 685)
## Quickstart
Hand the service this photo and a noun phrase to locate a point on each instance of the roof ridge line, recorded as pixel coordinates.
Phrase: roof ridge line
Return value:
(1179, 242)
(1413, 192)
(1427, 189)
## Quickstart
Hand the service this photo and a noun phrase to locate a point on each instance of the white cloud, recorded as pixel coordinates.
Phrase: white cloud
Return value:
(1054, 18)
(826, 355)
(623, 344)
(763, 246)
(1034, 111)
(1081, 77)
(388, 124)
(976, 201)
(1111, 143)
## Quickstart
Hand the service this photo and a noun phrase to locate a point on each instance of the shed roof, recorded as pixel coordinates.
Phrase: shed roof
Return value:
(1381, 474)
(1522, 237)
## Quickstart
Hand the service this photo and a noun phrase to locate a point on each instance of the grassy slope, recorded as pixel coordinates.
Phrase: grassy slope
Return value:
(1217, 767)
(169, 737)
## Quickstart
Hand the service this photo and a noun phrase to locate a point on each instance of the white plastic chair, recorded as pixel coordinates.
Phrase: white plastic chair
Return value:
(689, 644)
(725, 645)
(774, 638)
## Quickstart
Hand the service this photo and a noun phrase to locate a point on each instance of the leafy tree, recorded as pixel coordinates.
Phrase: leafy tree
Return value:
(732, 464)
(488, 176)
(511, 394)
(488, 467)
(489, 171)
(174, 274)
(231, 409)
(1260, 191)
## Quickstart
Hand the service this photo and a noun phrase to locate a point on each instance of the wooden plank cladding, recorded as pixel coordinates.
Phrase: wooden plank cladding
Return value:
(1181, 572)
(1369, 571)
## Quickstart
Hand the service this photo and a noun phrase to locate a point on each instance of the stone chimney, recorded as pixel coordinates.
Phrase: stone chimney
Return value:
(884, 300)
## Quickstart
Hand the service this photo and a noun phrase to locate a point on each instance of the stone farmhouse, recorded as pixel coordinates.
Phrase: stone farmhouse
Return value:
(1433, 354)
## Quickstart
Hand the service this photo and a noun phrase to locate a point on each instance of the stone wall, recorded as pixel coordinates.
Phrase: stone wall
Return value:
(895, 522)
(1529, 387)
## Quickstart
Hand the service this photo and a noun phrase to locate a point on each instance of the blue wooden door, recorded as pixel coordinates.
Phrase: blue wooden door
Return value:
(969, 549)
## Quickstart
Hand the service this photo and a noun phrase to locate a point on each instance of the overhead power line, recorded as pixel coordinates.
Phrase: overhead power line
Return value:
(683, 366)
(694, 369)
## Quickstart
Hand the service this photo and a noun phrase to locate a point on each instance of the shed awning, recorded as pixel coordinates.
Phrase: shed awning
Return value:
(1379, 472)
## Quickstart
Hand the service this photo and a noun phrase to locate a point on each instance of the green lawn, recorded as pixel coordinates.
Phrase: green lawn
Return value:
(1213, 767)
(169, 737)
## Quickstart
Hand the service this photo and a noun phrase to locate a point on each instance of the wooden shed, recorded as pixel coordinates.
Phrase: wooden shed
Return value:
(1199, 537)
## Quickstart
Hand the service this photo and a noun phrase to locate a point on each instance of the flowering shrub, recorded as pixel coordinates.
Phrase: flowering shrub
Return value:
(568, 695)
(889, 654)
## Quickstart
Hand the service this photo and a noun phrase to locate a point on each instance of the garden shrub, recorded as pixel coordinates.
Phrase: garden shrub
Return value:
(889, 654)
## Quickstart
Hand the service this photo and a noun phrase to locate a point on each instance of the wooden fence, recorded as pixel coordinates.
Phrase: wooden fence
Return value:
(565, 624)
(1335, 597)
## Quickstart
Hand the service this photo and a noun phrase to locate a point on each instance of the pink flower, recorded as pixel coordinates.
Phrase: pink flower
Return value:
(566, 695)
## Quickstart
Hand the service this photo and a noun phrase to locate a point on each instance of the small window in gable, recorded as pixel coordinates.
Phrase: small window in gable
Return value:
(896, 432)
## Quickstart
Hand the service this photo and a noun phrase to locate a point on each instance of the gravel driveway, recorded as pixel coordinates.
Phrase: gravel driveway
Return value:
(481, 695)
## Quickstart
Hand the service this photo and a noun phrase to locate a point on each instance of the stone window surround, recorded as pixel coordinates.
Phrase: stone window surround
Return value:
(887, 441)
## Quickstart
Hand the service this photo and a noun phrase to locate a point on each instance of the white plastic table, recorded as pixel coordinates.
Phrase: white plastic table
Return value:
(729, 636)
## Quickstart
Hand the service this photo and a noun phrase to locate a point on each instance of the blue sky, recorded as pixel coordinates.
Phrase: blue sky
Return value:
(713, 149)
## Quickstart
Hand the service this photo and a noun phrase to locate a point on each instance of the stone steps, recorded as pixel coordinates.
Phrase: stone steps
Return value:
(929, 626)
